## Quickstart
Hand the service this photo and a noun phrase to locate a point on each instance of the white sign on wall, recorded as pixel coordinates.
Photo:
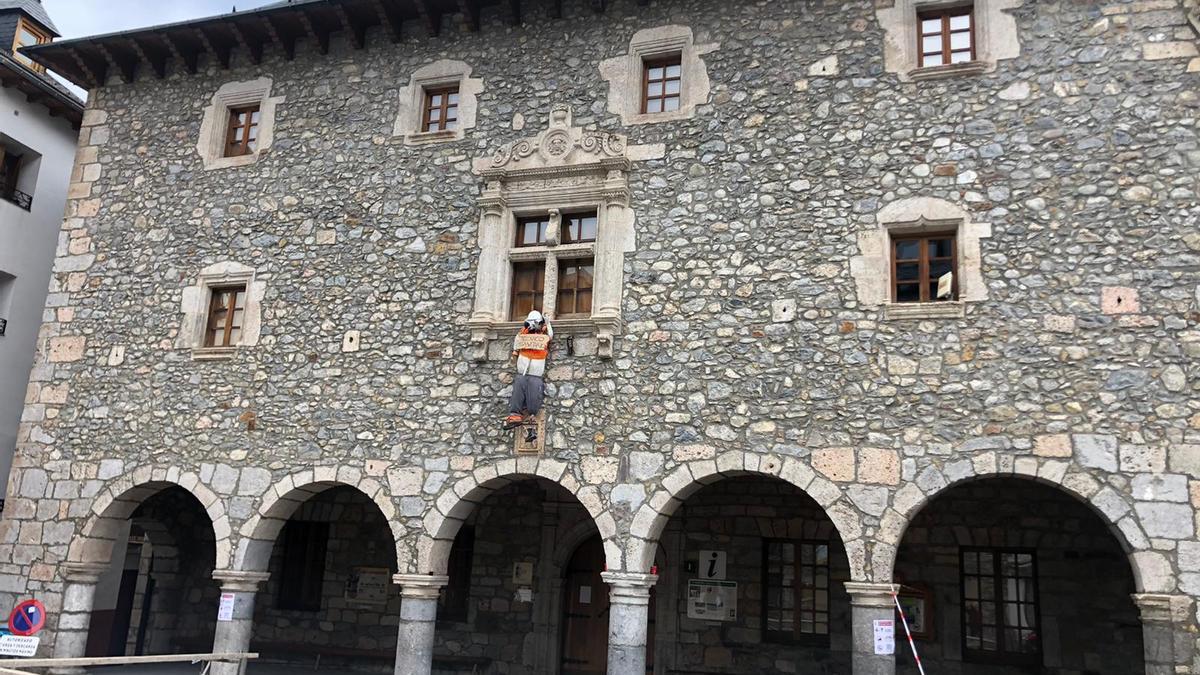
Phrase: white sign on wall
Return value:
(369, 585)
(19, 645)
(885, 636)
(225, 609)
(712, 600)
(712, 565)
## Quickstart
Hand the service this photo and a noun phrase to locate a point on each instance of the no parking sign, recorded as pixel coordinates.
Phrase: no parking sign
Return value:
(27, 618)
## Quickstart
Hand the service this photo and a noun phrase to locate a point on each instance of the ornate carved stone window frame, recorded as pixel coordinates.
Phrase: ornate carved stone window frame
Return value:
(872, 268)
(562, 169)
(437, 75)
(214, 129)
(195, 305)
(625, 74)
(996, 37)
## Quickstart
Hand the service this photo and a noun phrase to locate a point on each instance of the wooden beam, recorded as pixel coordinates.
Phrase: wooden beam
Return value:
(221, 49)
(188, 55)
(156, 59)
(514, 7)
(389, 18)
(470, 9)
(556, 9)
(94, 75)
(321, 35)
(276, 32)
(251, 42)
(126, 66)
(430, 16)
(357, 29)
(598, 6)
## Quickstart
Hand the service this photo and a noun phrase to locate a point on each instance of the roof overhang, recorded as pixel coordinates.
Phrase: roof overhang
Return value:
(39, 89)
(90, 61)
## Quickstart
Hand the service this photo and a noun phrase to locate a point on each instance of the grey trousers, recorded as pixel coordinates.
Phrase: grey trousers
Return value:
(526, 395)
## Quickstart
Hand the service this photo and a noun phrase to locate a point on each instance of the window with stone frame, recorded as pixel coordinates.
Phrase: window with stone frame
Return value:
(796, 591)
(924, 268)
(454, 601)
(933, 39)
(226, 316)
(559, 248)
(440, 110)
(302, 580)
(1000, 606)
(946, 36)
(239, 124)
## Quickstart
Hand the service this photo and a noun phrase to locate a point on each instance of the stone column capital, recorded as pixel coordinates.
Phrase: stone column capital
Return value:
(1155, 608)
(238, 581)
(420, 586)
(629, 588)
(865, 594)
(82, 572)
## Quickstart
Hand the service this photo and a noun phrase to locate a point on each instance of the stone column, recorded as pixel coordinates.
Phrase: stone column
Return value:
(868, 603)
(79, 593)
(494, 268)
(233, 636)
(1158, 635)
(418, 612)
(628, 620)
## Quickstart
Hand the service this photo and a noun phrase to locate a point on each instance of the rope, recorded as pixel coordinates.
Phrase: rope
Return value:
(911, 645)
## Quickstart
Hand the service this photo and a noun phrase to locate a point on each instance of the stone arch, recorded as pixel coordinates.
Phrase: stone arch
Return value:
(1152, 572)
(122, 496)
(259, 532)
(457, 502)
(688, 478)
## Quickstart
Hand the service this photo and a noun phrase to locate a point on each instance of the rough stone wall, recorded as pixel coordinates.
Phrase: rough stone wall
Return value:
(1088, 621)
(1081, 154)
(736, 516)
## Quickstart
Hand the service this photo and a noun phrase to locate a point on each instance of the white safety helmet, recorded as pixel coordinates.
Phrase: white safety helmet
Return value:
(535, 318)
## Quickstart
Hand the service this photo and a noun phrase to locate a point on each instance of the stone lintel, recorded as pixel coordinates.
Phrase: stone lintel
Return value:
(239, 581)
(420, 586)
(871, 595)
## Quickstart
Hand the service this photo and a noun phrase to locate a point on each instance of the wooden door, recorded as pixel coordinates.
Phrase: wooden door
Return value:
(585, 613)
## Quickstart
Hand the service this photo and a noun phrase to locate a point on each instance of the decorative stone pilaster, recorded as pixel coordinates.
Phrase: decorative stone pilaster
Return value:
(232, 635)
(868, 603)
(628, 620)
(78, 595)
(418, 612)
(1158, 635)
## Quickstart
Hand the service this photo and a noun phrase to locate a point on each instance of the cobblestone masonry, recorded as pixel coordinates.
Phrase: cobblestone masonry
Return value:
(745, 348)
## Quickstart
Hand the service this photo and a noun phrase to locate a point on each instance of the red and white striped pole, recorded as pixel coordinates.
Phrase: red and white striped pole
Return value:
(903, 620)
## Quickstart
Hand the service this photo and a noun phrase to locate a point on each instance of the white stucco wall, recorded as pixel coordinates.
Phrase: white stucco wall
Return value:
(27, 244)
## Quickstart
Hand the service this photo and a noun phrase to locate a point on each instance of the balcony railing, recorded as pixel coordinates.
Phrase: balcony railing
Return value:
(17, 197)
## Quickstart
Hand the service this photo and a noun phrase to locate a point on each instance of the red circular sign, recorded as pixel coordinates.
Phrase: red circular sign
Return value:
(27, 618)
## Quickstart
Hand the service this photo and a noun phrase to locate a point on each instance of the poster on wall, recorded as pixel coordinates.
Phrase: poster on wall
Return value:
(368, 585)
(885, 637)
(712, 600)
(225, 608)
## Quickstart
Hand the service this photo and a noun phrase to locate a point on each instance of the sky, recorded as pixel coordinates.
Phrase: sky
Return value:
(80, 18)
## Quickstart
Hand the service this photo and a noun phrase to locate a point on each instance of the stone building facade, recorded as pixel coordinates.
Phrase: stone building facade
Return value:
(1020, 462)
